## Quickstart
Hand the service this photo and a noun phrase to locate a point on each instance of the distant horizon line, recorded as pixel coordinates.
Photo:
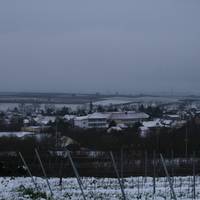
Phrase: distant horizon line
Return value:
(155, 93)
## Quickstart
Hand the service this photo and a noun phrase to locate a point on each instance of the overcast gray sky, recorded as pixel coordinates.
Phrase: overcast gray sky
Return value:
(100, 46)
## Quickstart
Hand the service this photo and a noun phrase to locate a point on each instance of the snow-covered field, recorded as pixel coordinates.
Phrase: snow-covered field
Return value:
(97, 188)
(108, 102)
(145, 99)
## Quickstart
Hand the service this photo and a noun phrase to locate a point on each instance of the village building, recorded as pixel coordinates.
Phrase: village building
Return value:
(81, 122)
(95, 120)
(102, 120)
(128, 118)
(98, 120)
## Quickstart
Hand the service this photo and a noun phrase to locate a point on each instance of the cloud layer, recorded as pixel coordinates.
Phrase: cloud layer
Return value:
(104, 46)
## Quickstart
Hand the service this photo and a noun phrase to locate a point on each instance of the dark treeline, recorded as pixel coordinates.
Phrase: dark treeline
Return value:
(181, 141)
(27, 144)
(15, 123)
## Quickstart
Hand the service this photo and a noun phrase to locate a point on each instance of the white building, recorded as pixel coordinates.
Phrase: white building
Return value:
(44, 120)
(128, 118)
(102, 120)
(95, 120)
(81, 122)
(148, 125)
(98, 120)
(152, 124)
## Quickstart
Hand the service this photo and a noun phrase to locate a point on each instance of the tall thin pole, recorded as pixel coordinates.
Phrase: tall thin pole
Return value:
(154, 172)
(56, 133)
(60, 173)
(28, 170)
(145, 165)
(76, 174)
(122, 164)
(117, 173)
(172, 165)
(43, 170)
(186, 143)
(168, 177)
(194, 176)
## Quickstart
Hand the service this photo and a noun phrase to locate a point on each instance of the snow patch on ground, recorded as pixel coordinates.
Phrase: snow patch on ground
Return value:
(100, 188)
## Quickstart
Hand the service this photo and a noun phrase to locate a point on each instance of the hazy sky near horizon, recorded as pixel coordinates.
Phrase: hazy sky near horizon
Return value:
(100, 46)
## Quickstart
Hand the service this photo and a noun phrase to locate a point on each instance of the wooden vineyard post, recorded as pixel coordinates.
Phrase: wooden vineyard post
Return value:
(76, 174)
(145, 165)
(194, 175)
(154, 172)
(122, 163)
(172, 165)
(117, 173)
(168, 177)
(60, 174)
(28, 170)
(43, 170)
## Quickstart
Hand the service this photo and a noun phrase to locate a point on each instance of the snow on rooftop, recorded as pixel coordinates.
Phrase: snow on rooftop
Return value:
(173, 116)
(129, 115)
(151, 124)
(81, 117)
(69, 117)
(114, 115)
(93, 116)
(98, 116)
(44, 119)
(166, 122)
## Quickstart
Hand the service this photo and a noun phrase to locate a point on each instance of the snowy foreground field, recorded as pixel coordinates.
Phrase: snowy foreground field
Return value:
(97, 188)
